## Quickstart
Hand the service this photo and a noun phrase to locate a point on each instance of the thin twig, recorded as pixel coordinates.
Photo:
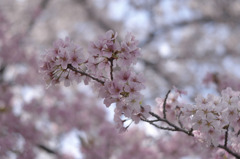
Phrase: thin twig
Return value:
(226, 136)
(157, 126)
(111, 68)
(153, 121)
(2, 71)
(84, 73)
(176, 128)
(179, 121)
(46, 149)
(188, 132)
(164, 105)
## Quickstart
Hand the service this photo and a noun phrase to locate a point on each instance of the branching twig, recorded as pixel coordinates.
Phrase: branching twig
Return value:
(179, 121)
(176, 128)
(189, 132)
(157, 126)
(180, 129)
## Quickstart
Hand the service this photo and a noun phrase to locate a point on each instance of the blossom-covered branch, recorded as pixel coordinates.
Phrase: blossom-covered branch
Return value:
(205, 133)
(108, 66)
(85, 74)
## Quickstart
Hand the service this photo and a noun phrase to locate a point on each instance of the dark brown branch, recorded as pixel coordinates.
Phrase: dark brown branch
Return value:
(226, 136)
(176, 128)
(111, 68)
(2, 70)
(85, 74)
(188, 132)
(179, 121)
(157, 126)
(46, 149)
(229, 151)
(164, 105)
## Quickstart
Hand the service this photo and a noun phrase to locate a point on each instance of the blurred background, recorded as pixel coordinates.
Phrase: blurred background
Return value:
(181, 40)
(185, 43)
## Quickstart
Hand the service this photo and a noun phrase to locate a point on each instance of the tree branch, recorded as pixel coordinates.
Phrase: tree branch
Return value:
(229, 151)
(164, 105)
(46, 149)
(188, 132)
(2, 70)
(111, 68)
(84, 73)
(157, 126)
(226, 136)
(176, 128)
(180, 129)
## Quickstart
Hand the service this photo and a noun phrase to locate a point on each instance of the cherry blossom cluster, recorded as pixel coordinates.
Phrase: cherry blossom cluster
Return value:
(173, 105)
(179, 146)
(124, 90)
(107, 53)
(108, 65)
(215, 116)
(57, 60)
(214, 120)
